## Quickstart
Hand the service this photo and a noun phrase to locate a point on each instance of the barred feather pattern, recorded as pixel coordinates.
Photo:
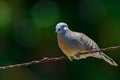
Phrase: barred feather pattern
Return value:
(73, 42)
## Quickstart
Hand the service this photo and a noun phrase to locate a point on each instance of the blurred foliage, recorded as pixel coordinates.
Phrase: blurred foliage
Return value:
(27, 32)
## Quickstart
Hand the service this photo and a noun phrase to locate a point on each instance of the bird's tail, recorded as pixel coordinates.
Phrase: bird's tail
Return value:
(108, 59)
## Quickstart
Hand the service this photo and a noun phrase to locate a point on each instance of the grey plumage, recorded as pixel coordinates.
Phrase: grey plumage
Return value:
(72, 42)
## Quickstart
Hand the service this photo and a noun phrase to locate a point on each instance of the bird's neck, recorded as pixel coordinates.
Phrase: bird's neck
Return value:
(64, 32)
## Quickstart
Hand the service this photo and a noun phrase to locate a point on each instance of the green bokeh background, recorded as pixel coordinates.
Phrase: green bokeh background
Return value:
(27, 32)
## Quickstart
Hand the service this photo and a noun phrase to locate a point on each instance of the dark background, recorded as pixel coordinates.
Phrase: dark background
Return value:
(27, 32)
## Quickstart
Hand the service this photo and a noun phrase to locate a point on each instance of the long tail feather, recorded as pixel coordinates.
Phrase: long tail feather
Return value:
(108, 59)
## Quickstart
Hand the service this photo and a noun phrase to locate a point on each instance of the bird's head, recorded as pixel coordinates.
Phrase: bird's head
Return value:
(61, 27)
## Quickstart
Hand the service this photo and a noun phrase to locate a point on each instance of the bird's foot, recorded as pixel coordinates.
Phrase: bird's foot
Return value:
(71, 58)
(77, 55)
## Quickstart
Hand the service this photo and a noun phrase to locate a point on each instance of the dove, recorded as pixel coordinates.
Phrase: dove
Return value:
(71, 43)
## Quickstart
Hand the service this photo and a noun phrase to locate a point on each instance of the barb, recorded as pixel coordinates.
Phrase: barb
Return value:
(47, 59)
(44, 60)
(100, 50)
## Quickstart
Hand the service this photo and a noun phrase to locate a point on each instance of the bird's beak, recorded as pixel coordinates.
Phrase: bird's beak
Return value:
(56, 30)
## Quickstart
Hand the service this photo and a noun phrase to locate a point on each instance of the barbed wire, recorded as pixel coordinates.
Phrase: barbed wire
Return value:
(47, 59)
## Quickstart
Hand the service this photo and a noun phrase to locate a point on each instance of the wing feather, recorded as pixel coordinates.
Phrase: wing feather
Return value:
(89, 44)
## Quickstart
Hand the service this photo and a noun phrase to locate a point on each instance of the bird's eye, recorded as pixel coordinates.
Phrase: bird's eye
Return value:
(62, 26)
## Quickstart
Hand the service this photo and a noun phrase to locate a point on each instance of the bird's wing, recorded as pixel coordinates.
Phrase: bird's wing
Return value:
(88, 43)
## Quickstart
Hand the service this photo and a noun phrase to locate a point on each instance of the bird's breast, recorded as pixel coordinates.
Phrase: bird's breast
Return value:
(65, 45)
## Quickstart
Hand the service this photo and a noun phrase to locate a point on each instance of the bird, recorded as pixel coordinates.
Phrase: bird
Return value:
(71, 43)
